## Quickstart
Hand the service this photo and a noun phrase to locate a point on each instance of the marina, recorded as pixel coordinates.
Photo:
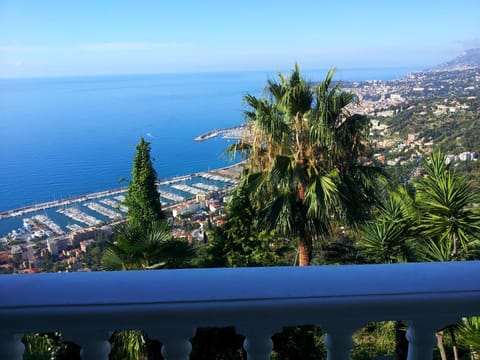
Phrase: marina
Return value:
(57, 203)
(189, 189)
(215, 177)
(73, 227)
(80, 216)
(111, 214)
(115, 204)
(110, 202)
(206, 186)
(45, 220)
(170, 196)
(55, 217)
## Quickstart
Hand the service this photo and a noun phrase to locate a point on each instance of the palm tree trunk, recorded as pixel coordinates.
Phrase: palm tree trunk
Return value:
(454, 251)
(473, 354)
(454, 342)
(304, 251)
(441, 347)
(303, 244)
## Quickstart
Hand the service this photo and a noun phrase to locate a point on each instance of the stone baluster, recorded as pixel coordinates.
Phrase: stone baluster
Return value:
(11, 346)
(338, 338)
(94, 343)
(176, 341)
(258, 341)
(421, 337)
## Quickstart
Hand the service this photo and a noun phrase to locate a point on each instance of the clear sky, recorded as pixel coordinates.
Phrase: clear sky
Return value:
(50, 37)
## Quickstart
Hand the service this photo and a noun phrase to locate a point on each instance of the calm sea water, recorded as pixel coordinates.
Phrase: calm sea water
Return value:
(61, 137)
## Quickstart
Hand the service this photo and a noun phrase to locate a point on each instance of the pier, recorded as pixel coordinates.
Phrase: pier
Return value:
(189, 189)
(216, 177)
(45, 220)
(170, 196)
(79, 216)
(74, 227)
(206, 187)
(120, 198)
(109, 202)
(111, 214)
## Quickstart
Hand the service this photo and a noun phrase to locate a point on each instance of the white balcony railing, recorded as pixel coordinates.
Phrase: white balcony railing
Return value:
(170, 304)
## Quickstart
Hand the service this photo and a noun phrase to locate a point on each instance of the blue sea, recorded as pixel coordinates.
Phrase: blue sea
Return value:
(63, 137)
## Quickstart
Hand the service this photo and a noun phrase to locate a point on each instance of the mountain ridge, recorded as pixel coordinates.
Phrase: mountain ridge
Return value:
(468, 59)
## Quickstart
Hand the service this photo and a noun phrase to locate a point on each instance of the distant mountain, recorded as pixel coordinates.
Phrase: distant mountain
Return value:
(470, 58)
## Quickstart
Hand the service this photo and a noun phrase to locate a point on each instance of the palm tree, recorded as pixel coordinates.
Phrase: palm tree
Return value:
(442, 214)
(469, 335)
(388, 239)
(449, 221)
(142, 248)
(306, 154)
(446, 201)
(138, 248)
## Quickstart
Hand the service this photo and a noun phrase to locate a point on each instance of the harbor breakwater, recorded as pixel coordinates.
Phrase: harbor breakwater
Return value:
(235, 132)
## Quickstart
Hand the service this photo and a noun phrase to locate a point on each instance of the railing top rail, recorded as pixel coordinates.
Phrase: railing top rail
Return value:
(275, 296)
(220, 285)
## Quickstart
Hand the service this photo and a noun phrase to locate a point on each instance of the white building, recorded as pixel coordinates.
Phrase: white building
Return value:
(185, 208)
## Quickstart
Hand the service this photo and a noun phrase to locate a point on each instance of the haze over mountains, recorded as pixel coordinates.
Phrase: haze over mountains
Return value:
(470, 58)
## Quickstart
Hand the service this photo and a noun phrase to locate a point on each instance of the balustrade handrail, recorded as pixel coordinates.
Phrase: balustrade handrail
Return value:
(414, 284)
(269, 297)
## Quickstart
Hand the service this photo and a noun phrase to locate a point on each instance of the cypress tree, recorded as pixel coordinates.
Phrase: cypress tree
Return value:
(143, 199)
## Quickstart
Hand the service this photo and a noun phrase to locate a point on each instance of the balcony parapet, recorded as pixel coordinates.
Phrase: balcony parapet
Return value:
(171, 304)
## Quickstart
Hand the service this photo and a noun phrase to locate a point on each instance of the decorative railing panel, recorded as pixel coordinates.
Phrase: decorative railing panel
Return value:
(171, 304)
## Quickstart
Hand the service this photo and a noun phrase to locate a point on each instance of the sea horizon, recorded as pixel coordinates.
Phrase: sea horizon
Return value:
(385, 72)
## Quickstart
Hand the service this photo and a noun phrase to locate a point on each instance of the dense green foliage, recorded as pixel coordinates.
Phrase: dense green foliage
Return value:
(469, 334)
(437, 221)
(143, 199)
(448, 219)
(452, 131)
(390, 237)
(217, 344)
(240, 242)
(49, 346)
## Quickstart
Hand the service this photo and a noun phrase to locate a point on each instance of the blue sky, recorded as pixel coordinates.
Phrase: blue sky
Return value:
(54, 38)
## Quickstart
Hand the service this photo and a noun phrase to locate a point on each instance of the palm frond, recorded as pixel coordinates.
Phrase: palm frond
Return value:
(383, 242)
(433, 251)
(137, 248)
(469, 333)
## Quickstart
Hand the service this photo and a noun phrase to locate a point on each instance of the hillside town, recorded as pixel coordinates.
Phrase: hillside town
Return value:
(41, 245)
